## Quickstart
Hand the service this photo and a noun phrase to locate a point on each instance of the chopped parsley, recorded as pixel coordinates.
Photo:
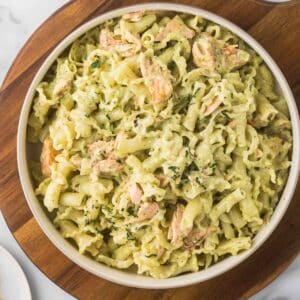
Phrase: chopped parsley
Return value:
(151, 255)
(173, 168)
(112, 227)
(175, 176)
(89, 221)
(186, 152)
(184, 180)
(213, 165)
(171, 65)
(129, 235)
(110, 221)
(108, 209)
(98, 230)
(96, 64)
(195, 92)
(181, 104)
(225, 114)
(131, 211)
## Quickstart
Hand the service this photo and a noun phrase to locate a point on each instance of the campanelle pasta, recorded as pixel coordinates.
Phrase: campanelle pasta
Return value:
(165, 144)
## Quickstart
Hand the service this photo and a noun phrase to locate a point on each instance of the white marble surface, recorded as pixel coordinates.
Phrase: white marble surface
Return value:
(18, 19)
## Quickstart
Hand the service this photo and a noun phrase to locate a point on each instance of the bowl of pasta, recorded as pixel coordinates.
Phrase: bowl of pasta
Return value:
(158, 145)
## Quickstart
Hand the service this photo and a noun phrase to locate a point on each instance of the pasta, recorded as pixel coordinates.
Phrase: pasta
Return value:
(165, 146)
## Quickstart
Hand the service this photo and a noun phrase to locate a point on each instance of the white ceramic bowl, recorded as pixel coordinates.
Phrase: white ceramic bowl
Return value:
(123, 277)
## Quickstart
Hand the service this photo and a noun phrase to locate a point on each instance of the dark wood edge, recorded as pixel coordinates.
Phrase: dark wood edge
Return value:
(265, 2)
(272, 278)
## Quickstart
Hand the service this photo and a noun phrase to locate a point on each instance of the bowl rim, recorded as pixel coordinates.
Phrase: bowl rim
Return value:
(120, 276)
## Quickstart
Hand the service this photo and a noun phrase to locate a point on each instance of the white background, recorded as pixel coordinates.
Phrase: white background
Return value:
(18, 19)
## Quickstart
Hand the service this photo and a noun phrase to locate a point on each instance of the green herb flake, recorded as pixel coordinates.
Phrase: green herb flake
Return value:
(96, 64)
(173, 168)
(108, 209)
(171, 65)
(225, 114)
(186, 152)
(130, 237)
(195, 92)
(130, 211)
(213, 165)
(175, 176)
(89, 221)
(151, 255)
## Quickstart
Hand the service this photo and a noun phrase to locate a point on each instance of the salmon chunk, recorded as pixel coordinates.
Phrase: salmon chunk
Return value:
(196, 237)
(146, 211)
(175, 233)
(204, 54)
(127, 47)
(61, 86)
(107, 40)
(160, 252)
(232, 124)
(213, 106)
(233, 58)
(102, 147)
(134, 40)
(135, 193)
(47, 157)
(163, 180)
(134, 16)
(157, 80)
(175, 25)
(107, 166)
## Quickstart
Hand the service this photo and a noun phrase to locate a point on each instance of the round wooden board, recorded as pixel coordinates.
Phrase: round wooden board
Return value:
(277, 28)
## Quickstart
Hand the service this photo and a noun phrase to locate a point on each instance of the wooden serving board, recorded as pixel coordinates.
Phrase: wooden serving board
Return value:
(276, 27)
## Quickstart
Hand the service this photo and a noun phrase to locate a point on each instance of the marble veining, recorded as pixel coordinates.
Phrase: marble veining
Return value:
(18, 19)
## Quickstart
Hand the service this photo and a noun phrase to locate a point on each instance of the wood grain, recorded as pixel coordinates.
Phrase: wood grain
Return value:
(277, 28)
